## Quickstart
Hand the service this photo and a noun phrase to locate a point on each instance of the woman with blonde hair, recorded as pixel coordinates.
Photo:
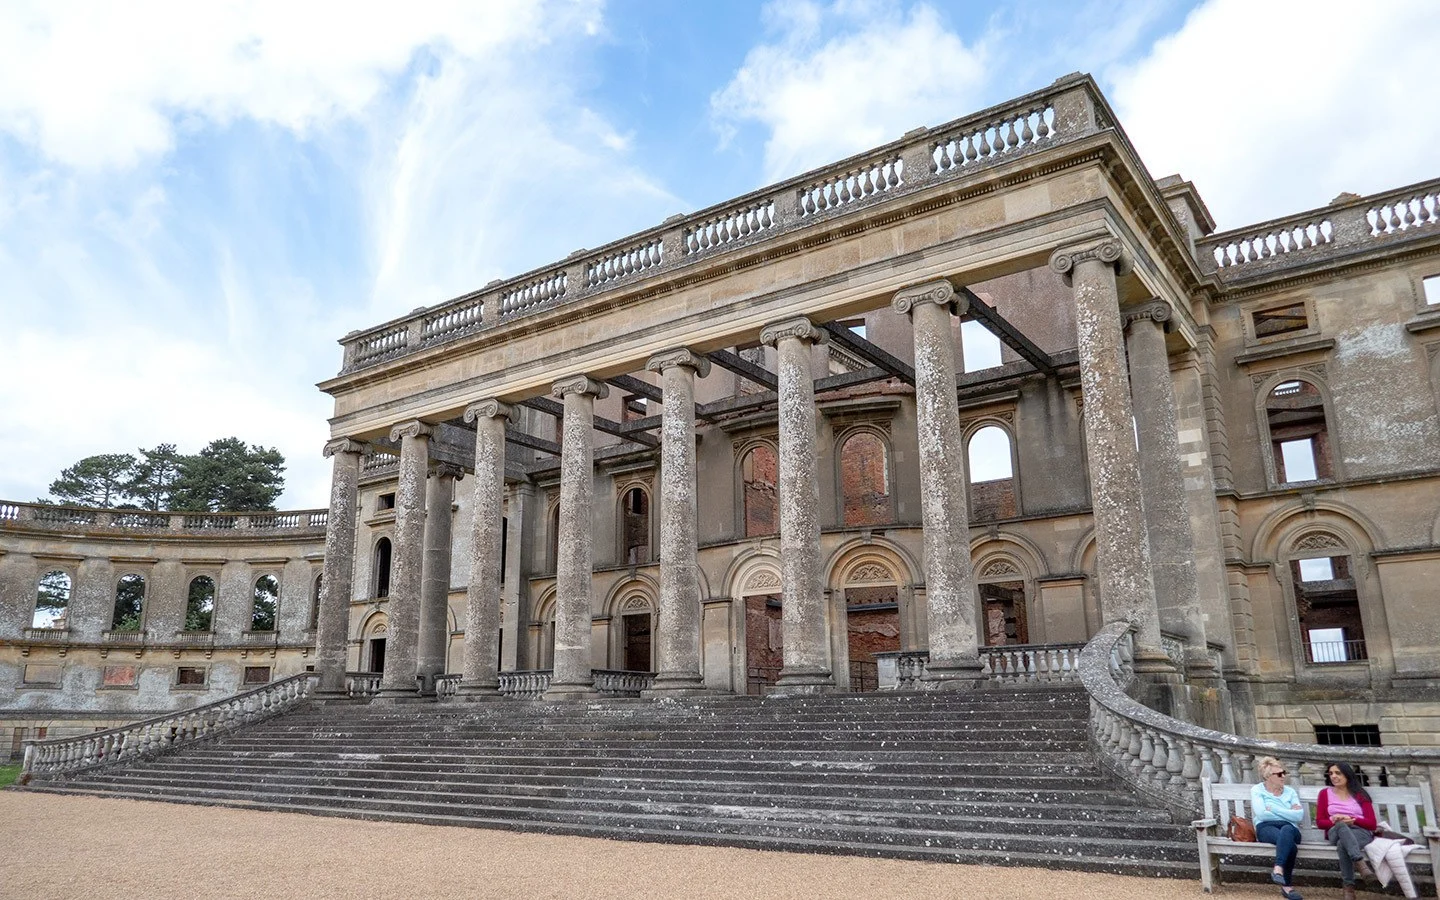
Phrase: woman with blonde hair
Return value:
(1277, 812)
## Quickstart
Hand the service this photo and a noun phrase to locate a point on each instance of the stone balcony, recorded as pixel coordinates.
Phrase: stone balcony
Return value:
(70, 519)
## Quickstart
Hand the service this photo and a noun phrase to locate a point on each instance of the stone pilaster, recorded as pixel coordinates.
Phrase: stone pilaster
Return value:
(435, 575)
(402, 612)
(1127, 591)
(482, 625)
(337, 579)
(1167, 513)
(807, 657)
(571, 677)
(678, 637)
(949, 576)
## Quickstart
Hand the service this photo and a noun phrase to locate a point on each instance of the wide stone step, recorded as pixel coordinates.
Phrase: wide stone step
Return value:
(727, 749)
(679, 792)
(1084, 860)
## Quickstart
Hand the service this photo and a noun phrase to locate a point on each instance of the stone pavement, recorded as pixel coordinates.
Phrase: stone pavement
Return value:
(64, 847)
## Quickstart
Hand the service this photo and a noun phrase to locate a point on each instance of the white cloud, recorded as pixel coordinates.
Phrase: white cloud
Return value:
(1272, 108)
(838, 79)
(95, 84)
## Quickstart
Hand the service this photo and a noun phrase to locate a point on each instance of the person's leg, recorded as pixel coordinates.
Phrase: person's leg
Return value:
(1344, 842)
(1287, 848)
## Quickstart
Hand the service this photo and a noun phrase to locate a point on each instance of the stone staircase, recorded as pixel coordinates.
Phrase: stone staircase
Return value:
(1001, 776)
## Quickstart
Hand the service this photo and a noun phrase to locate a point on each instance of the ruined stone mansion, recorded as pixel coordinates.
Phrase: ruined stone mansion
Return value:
(930, 415)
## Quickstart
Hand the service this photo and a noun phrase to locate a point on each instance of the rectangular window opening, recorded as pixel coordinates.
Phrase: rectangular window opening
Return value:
(385, 501)
(1431, 285)
(190, 675)
(979, 347)
(1281, 320)
(257, 675)
(1298, 461)
(1348, 735)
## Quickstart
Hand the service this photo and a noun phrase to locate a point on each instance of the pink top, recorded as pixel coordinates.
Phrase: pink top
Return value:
(1347, 807)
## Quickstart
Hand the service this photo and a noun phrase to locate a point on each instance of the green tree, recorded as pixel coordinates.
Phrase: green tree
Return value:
(96, 480)
(154, 476)
(229, 476)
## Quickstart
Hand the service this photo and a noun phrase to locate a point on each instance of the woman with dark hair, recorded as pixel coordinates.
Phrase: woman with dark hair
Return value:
(1276, 809)
(1346, 815)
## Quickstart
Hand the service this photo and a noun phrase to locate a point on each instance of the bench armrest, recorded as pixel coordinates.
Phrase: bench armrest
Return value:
(1431, 832)
(1204, 824)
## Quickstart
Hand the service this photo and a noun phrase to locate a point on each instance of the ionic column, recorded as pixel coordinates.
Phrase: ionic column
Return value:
(402, 613)
(571, 677)
(435, 574)
(949, 576)
(807, 657)
(333, 624)
(1127, 591)
(482, 624)
(678, 638)
(1167, 512)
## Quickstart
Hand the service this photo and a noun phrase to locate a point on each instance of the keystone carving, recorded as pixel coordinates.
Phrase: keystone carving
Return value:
(800, 328)
(488, 409)
(1108, 251)
(579, 384)
(343, 445)
(678, 357)
(941, 293)
(415, 428)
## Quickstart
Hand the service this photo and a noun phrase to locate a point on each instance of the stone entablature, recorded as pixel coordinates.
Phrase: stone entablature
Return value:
(1068, 111)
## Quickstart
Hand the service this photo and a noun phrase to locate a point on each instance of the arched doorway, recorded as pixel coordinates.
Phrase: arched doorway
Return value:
(871, 593)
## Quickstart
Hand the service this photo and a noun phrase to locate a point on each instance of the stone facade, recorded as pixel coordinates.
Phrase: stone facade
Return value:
(1231, 441)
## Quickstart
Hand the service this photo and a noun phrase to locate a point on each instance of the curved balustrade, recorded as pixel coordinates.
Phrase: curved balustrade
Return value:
(1167, 759)
(65, 756)
(68, 518)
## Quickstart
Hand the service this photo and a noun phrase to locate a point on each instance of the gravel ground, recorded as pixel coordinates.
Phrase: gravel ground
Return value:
(65, 847)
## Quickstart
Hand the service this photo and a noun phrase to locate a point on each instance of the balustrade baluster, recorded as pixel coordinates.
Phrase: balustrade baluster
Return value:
(1175, 764)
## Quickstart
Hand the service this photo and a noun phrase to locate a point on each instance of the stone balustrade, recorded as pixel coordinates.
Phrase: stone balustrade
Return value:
(528, 684)
(1067, 111)
(1349, 226)
(362, 684)
(619, 683)
(1029, 663)
(1167, 759)
(45, 517)
(66, 756)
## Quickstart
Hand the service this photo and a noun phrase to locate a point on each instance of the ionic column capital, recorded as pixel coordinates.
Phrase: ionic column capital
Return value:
(799, 327)
(489, 408)
(447, 470)
(680, 356)
(1109, 251)
(343, 445)
(939, 292)
(580, 384)
(1154, 311)
(413, 428)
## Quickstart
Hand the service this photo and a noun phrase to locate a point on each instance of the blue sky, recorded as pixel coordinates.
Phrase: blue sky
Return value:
(198, 200)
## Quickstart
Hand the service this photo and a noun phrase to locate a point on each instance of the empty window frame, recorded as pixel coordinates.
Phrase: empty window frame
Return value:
(380, 578)
(315, 603)
(1280, 321)
(979, 346)
(990, 467)
(635, 526)
(1430, 287)
(255, 675)
(1328, 608)
(759, 470)
(865, 479)
(129, 604)
(52, 600)
(1299, 434)
(200, 604)
(265, 603)
(190, 676)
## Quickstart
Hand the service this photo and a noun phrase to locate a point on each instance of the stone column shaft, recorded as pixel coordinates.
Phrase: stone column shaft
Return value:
(807, 657)
(337, 579)
(1167, 512)
(482, 625)
(678, 632)
(435, 575)
(949, 575)
(574, 565)
(403, 607)
(1127, 591)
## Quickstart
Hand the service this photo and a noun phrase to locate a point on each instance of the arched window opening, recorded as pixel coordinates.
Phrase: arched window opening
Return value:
(129, 604)
(636, 629)
(1299, 438)
(759, 471)
(52, 600)
(266, 601)
(992, 474)
(200, 603)
(382, 567)
(635, 531)
(979, 346)
(1328, 607)
(865, 480)
(315, 603)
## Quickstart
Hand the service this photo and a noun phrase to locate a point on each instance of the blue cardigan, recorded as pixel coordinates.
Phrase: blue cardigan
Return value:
(1266, 807)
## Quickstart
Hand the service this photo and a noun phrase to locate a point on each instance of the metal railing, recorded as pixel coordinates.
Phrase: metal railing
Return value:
(67, 756)
(1322, 653)
(1167, 759)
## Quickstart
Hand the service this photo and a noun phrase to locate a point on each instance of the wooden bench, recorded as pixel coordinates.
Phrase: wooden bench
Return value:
(1407, 810)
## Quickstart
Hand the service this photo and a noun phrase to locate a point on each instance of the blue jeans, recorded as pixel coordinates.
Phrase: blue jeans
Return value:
(1286, 838)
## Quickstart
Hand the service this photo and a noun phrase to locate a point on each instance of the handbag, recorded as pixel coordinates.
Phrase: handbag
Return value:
(1241, 830)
